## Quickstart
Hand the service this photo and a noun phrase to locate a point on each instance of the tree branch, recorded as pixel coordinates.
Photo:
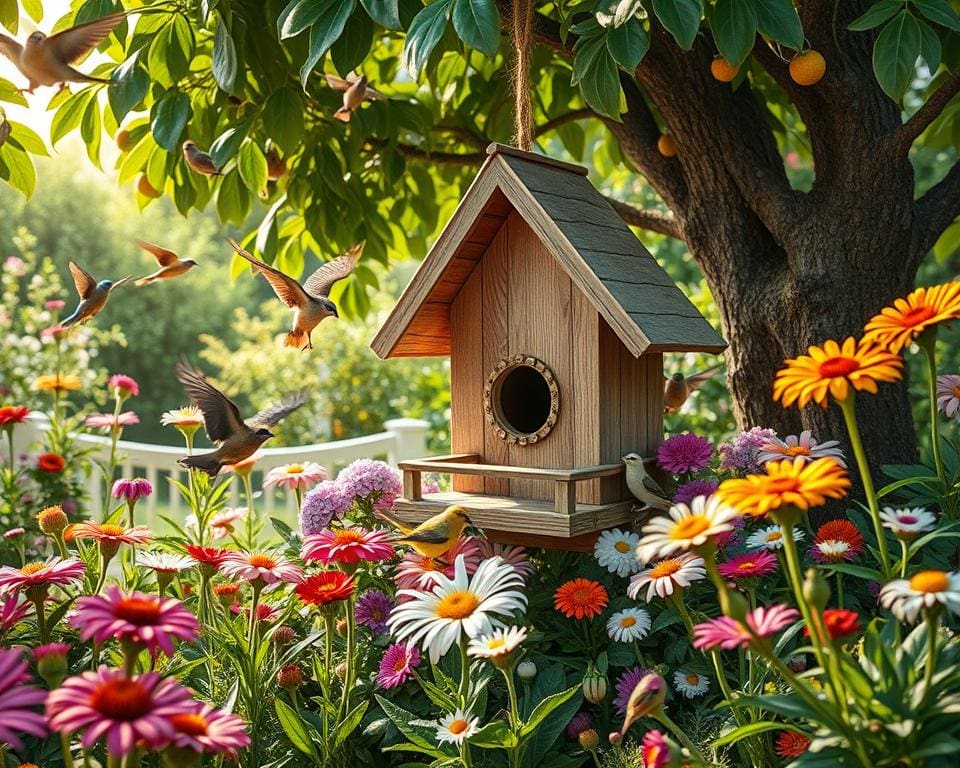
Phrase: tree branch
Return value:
(936, 211)
(920, 120)
(654, 221)
(569, 117)
(438, 158)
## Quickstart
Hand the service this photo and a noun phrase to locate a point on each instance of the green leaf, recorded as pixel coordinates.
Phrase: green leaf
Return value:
(10, 15)
(34, 9)
(252, 166)
(385, 12)
(930, 48)
(168, 118)
(353, 45)
(494, 735)
(91, 131)
(788, 705)
(27, 138)
(301, 15)
(224, 58)
(734, 26)
(876, 14)
(860, 571)
(292, 725)
(170, 52)
(233, 199)
(349, 724)
(417, 731)
(939, 12)
(129, 92)
(681, 19)
(283, 119)
(628, 44)
(601, 84)
(68, 116)
(16, 168)
(425, 32)
(227, 144)
(545, 708)
(751, 729)
(324, 33)
(10, 94)
(778, 20)
(895, 55)
(477, 23)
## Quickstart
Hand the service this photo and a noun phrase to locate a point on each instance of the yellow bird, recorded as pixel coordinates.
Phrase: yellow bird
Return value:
(434, 537)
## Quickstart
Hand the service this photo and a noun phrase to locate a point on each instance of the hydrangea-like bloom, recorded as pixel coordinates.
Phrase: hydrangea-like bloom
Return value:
(321, 505)
(374, 482)
(684, 453)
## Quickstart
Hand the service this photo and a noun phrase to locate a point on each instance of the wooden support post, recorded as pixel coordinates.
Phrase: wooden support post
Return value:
(565, 497)
(412, 487)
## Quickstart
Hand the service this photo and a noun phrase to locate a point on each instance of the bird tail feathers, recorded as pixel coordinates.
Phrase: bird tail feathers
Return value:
(205, 463)
(144, 281)
(343, 115)
(296, 339)
(396, 522)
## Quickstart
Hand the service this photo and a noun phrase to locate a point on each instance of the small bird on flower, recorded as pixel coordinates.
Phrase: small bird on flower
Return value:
(355, 92)
(235, 438)
(642, 485)
(678, 388)
(93, 295)
(433, 537)
(46, 60)
(199, 160)
(171, 265)
(309, 302)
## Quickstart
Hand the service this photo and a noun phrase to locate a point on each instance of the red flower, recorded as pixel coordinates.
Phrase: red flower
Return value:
(326, 587)
(839, 623)
(791, 744)
(51, 462)
(580, 598)
(13, 414)
(213, 556)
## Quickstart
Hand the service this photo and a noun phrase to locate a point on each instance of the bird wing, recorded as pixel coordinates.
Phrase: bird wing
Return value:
(121, 281)
(273, 414)
(338, 82)
(697, 379)
(71, 44)
(436, 535)
(318, 285)
(81, 278)
(221, 417)
(11, 49)
(164, 257)
(653, 486)
(288, 290)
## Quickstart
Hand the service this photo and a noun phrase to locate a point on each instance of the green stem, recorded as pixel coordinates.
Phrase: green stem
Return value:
(933, 619)
(104, 562)
(351, 653)
(514, 714)
(65, 751)
(677, 599)
(904, 558)
(329, 628)
(464, 690)
(927, 341)
(112, 463)
(257, 585)
(248, 492)
(42, 628)
(13, 472)
(465, 755)
(671, 726)
(839, 577)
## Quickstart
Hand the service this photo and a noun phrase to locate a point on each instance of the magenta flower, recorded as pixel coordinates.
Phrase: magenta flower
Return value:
(291, 476)
(748, 565)
(205, 729)
(123, 386)
(124, 711)
(372, 482)
(50, 650)
(741, 455)
(14, 533)
(372, 609)
(54, 304)
(510, 553)
(414, 571)
(321, 505)
(17, 701)
(269, 568)
(132, 490)
(147, 620)
(684, 453)
(948, 394)
(397, 665)
(12, 611)
(655, 750)
(107, 421)
(347, 545)
(728, 633)
(625, 685)
(54, 571)
(689, 491)
(578, 723)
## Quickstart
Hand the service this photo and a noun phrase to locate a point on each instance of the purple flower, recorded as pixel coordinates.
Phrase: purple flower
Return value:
(580, 722)
(625, 685)
(132, 490)
(684, 453)
(948, 394)
(741, 454)
(321, 504)
(372, 609)
(689, 491)
(374, 482)
(397, 665)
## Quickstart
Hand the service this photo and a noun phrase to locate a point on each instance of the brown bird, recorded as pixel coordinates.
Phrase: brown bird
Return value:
(93, 295)
(355, 92)
(678, 388)
(199, 160)
(46, 60)
(309, 302)
(170, 264)
(235, 438)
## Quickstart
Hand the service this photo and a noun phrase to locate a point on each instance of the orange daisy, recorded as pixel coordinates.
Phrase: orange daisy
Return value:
(580, 599)
(832, 369)
(897, 326)
(796, 483)
(56, 382)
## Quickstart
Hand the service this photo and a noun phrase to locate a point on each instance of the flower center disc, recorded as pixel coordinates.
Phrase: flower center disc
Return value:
(457, 605)
(693, 679)
(258, 560)
(622, 547)
(664, 569)
(497, 642)
(917, 315)
(796, 450)
(747, 565)
(294, 469)
(137, 611)
(773, 536)
(627, 621)
(31, 568)
(190, 723)
(834, 367)
(111, 530)
(929, 581)
(457, 727)
(124, 700)
(690, 527)
(347, 537)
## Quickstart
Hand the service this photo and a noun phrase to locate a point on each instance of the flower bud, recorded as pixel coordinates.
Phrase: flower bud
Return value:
(589, 740)
(341, 670)
(615, 739)
(289, 677)
(226, 593)
(52, 662)
(647, 697)
(341, 626)
(816, 591)
(52, 520)
(594, 686)
(526, 671)
(580, 722)
(283, 635)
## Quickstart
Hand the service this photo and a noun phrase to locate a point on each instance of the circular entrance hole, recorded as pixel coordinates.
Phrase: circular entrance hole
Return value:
(521, 400)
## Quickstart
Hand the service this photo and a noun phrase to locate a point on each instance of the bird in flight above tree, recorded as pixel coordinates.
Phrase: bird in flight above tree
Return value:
(171, 265)
(93, 295)
(677, 388)
(355, 92)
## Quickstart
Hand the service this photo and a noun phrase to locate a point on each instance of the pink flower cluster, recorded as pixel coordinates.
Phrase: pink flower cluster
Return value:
(742, 454)
(686, 453)
(372, 482)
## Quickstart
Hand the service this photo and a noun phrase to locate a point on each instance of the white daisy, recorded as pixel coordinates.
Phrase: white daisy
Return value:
(690, 684)
(617, 552)
(770, 538)
(906, 597)
(628, 625)
(666, 575)
(165, 562)
(685, 527)
(187, 416)
(456, 728)
(498, 643)
(907, 523)
(457, 607)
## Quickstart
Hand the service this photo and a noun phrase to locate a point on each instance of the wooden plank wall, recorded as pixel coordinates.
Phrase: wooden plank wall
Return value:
(496, 316)
(585, 402)
(466, 368)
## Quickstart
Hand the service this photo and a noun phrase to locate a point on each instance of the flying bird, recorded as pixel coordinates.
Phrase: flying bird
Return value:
(642, 485)
(309, 302)
(93, 295)
(355, 92)
(433, 537)
(170, 264)
(46, 60)
(199, 160)
(235, 438)
(678, 388)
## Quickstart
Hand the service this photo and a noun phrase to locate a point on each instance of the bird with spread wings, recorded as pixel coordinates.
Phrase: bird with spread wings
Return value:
(93, 295)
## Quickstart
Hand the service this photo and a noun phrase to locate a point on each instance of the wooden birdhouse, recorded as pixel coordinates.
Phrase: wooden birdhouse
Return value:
(555, 318)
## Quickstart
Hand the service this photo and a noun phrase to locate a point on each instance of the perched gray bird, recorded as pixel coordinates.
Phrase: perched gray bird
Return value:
(46, 60)
(644, 487)
(170, 264)
(355, 92)
(309, 301)
(93, 295)
(235, 438)
(199, 160)
(678, 388)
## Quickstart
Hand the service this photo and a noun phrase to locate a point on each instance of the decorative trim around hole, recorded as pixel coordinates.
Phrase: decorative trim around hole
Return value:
(491, 409)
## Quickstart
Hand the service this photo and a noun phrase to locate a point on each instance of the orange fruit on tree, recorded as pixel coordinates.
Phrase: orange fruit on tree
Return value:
(723, 70)
(666, 145)
(145, 188)
(807, 67)
(123, 140)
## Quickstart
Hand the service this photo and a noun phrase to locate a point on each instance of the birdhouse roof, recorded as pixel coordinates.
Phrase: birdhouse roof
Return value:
(589, 239)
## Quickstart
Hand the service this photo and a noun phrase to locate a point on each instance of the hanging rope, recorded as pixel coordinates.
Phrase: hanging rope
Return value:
(522, 34)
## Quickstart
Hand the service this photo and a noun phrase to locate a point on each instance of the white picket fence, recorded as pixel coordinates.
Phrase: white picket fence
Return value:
(403, 439)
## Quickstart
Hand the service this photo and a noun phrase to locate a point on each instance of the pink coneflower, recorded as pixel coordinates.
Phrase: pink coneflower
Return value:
(222, 524)
(205, 729)
(414, 571)
(804, 445)
(147, 620)
(625, 685)
(689, 491)
(347, 545)
(748, 565)
(655, 750)
(397, 665)
(124, 711)
(50, 650)
(509, 553)
(132, 490)
(728, 633)
(372, 610)
(54, 571)
(836, 541)
(51, 660)
(948, 394)
(292, 476)
(17, 701)
(371, 482)
(12, 611)
(321, 505)
(14, 533)
(53, 332)
(107, 421)
(123, 386)
(54, 304)
(268, 568)
(684, 453)
(110, 536)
